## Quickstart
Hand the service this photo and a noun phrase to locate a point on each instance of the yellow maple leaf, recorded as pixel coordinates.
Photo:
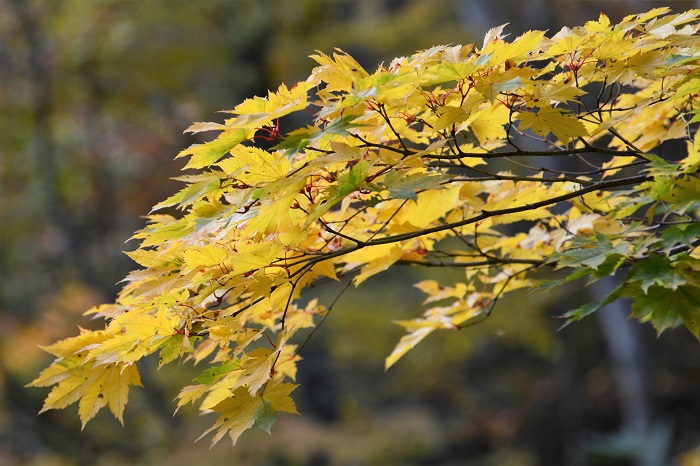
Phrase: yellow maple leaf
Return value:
(522, 47)
(380, 264)
(338, 72)
(428, 207)
(241, 410)
(134, 335)
(437, 292)
(261, 111)
(489, 123)
(555, 92)
(552, 120)
(691, 162)
(255, 166)
(408, 342)
(566, 42)
(206, 256)
(95, 386)
(203, 155)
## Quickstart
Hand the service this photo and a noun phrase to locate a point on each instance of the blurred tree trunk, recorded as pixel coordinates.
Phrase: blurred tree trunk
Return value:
(628, 368)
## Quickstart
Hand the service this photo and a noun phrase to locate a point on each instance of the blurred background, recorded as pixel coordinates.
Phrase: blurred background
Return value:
(94, 98)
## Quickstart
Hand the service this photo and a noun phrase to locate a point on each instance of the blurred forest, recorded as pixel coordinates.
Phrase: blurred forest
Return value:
(95, 95)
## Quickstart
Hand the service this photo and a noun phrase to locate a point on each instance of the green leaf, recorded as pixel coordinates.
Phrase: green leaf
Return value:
(546, 285)
(666, 308)
(172, 349)
(657, 270)
(265, 416)
(299, 139)
(661, 187)
(593, 252)
(213, 374)
(404, 186)
(589, 308)
(683, 190)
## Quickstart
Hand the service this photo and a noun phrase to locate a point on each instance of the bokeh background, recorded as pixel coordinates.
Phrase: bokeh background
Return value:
(94, 98)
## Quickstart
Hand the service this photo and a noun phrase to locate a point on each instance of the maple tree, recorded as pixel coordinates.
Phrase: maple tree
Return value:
(420, 163)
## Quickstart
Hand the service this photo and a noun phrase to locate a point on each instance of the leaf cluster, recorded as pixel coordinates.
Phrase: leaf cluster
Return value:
(405, 166)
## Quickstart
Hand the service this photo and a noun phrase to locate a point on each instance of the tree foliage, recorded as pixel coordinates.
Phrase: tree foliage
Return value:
(447, 158)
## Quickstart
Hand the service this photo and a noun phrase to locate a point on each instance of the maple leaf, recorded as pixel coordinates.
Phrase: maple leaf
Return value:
(666, 307)
(407, 343)
(206, 256)
(134, 335)
(552, 120)
(241, 411)
(380, 264)
(428, 207)
(94, 386)
(658, 271)
(489, 123)
(591, 252)
(203, 155)
(261, 111)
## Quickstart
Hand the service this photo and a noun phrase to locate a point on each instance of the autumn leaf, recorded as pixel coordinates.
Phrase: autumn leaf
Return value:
(407, 343)
(552, 120)
(242, 410)
(93, 386)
